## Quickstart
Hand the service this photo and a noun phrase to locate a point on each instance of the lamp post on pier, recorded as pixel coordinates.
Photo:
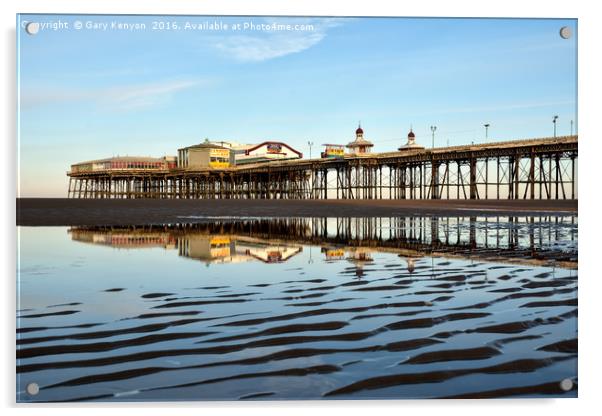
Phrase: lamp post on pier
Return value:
(310, 144)
(433, 129)
(486, 132)
(554, 121)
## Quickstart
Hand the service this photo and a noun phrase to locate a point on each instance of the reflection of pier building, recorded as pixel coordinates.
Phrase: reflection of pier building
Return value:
(333, 253)
(526, 240)
(232, 249)
(210, 249)
(273, 254)
(125, 238)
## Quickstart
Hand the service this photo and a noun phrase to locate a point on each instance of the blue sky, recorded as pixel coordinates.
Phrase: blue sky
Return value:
(87, 94)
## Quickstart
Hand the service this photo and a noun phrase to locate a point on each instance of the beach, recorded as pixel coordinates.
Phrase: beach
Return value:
(225, 312)
(65, 212)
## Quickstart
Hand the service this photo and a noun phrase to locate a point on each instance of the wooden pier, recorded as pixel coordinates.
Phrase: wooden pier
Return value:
(543, 168)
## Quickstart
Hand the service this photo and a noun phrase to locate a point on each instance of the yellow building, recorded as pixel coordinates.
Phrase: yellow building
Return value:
(333, 151)
(205, 155)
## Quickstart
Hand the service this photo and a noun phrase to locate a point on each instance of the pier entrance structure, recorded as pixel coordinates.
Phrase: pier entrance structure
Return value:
(543, 168)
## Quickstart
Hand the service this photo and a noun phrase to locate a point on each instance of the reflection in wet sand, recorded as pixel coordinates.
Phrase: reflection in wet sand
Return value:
(531, 240)
(308, 308)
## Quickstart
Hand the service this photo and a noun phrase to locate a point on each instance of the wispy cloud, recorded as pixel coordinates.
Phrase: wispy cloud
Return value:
(148, 95)
(35, 97)
(249, 48)
(121, 98)
(269, 44)
(502, 107)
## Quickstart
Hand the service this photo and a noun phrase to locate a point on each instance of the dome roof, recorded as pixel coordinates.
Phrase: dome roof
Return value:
(411, 134)
(359, 130)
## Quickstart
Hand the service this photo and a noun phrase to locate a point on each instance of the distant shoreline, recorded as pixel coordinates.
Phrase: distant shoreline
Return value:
(65, 212)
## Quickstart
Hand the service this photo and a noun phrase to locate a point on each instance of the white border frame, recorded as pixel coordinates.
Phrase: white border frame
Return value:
(589, 94)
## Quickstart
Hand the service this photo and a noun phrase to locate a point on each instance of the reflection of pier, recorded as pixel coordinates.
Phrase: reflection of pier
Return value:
(533, 240)
(209, 248)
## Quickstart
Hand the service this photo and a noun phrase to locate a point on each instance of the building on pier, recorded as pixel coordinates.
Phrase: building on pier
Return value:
(333, 151)
(125, 163)
(360, 146)
(205, 155)
(268, 151)
(411, 144)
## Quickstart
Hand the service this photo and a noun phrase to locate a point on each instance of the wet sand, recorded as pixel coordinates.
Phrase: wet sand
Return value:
(102, 320)
(389, 332)
(62, 211)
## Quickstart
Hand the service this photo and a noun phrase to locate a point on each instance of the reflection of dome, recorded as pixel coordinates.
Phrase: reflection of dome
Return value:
(410, 257)
(411, 265)
(360, 257)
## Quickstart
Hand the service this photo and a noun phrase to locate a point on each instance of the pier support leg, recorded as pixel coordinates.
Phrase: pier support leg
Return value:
(434, 180)
(473, 178)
